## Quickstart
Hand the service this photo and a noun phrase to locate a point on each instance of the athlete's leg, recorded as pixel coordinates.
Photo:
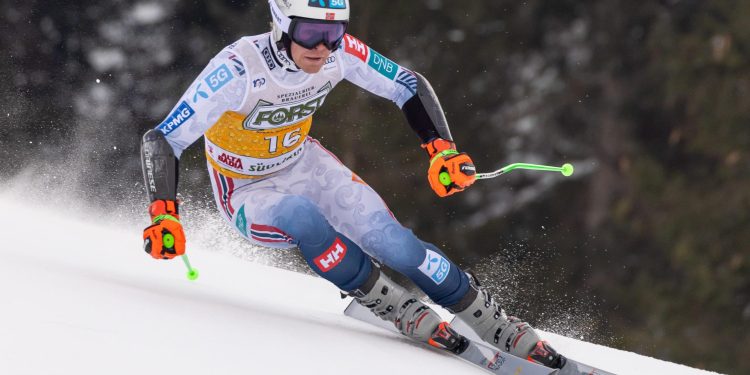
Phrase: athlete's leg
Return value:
(271, 218)
(357, 211)
(329, 253)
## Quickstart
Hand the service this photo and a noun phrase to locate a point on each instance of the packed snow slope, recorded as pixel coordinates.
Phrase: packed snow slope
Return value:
(80, 297)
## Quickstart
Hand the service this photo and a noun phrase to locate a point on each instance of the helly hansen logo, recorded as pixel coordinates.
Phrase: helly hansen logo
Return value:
(355, 47)
(331, 257)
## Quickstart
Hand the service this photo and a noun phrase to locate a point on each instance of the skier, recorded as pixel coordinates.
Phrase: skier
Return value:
(281, 188)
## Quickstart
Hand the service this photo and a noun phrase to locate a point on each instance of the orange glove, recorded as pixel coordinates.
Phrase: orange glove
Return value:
(164, 239)
(450, 171)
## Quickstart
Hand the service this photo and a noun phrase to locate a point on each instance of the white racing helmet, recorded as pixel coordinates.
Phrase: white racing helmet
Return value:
(288, 14)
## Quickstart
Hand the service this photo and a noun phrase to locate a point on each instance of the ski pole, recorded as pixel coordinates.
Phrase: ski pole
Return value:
(192, 273)
(566, 170)
(168, 242)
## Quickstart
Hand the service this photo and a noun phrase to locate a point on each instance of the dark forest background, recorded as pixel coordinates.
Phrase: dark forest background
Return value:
(646, 248)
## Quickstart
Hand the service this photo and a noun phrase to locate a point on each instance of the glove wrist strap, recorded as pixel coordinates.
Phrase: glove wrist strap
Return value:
(159, 218)
(442, 154)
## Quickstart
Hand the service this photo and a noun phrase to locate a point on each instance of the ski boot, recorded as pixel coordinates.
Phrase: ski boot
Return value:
(391, 302)
(509, 334)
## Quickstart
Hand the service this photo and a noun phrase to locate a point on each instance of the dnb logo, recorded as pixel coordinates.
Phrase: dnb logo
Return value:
(331, 257)
(328, 4)
(182, 113)
(380, 63)
(267, 115)
(435, 267)
(383, 65)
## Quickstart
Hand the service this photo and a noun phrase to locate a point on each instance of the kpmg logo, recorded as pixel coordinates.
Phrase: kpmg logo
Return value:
(328, 4)
(435, 266)
(182, 113)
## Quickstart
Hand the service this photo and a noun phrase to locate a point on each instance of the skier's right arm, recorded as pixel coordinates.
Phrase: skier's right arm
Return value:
(219, 88)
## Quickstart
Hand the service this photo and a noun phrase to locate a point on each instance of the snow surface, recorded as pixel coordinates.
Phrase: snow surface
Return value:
(81, 297)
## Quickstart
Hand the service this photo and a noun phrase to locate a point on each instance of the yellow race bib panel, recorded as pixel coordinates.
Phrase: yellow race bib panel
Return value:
(238, 152)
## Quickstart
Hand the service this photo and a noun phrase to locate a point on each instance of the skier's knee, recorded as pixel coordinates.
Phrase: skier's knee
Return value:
(301, 219)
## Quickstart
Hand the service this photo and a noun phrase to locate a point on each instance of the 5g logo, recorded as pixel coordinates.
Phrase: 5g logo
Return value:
(331, 4)
(219, 78)
(337, 4)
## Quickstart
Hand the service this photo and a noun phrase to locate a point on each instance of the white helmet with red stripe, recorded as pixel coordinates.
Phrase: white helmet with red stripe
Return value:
(282, 12)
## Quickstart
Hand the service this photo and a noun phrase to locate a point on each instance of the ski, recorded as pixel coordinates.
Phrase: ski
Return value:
(572, 367)
(476, 352)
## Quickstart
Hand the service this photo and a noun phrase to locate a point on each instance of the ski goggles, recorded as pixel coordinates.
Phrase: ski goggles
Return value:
(309, 33)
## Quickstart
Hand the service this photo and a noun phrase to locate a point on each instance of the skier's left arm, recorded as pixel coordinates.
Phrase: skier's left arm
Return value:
(449, 171)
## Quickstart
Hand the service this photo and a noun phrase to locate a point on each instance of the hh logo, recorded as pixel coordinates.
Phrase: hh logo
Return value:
(332, 257)
(435, 267)
(355, 47)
